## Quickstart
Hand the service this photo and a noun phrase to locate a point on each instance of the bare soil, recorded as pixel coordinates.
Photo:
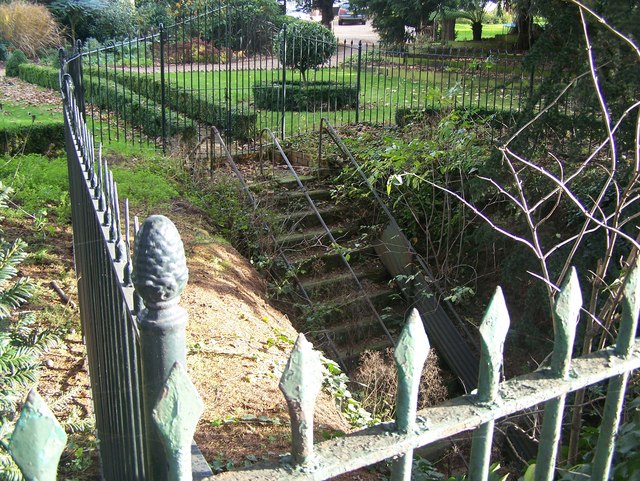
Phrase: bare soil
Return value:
(237, 342)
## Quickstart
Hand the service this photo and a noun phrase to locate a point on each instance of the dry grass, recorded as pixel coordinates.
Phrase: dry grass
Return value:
(28, 27)
(378, 383)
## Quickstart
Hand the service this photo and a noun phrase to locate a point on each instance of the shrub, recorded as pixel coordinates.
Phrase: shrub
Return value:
(305, 96)
(46, 77)
(12, 67)
(248, 25)
(98, 19)
(309, 45)
(36, 138)
(4, 52)
(28, 27)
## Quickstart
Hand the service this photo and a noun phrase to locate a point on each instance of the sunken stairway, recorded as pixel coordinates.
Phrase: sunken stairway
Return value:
(344, 297)
(340, 275)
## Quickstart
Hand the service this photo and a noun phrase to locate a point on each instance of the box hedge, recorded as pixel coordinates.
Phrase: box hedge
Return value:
(46, 77)
(240, 124)
(108, 95)
(301, 96)
(32, 139)
(143, 112)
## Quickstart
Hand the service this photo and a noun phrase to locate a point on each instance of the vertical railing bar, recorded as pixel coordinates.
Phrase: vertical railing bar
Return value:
(493, 331)
(410, 354)
(566, 314)
(603, 455)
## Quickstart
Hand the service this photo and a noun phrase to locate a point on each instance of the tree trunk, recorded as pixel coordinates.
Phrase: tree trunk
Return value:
(476, 29)
(523, 23)
(326, 9)
(448, 30)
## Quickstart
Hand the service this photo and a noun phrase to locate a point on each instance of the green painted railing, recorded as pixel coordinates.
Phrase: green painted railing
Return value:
(301, 382)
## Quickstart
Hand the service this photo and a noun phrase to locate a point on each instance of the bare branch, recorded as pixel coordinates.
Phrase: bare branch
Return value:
(601, 19)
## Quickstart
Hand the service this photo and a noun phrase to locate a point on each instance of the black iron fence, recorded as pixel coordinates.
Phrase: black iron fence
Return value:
(239, 71)
(130, 333)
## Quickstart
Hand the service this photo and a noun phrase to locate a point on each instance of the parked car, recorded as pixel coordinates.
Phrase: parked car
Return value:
(347, 15)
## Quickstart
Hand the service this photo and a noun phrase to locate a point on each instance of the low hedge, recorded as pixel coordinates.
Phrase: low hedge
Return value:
(241, 124)
(32, 139)
(309, 96)
(108, 95)
(144, 113)
(46, 77)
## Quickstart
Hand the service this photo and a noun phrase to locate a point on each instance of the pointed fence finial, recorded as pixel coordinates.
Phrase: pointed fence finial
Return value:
(37, 441)
(493, 332)
(411, 352)
(159, 276)
(625, 341)
(301, 383)
(566, 315)
(176, 416)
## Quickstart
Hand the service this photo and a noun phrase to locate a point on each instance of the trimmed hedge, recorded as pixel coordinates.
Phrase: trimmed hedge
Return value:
(145, 113)
(302, 96)
(36, 138)
(46, 77)
(111, 96)
(242, 125)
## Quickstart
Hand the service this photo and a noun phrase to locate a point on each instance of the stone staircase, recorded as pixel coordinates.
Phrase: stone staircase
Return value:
(343, 313)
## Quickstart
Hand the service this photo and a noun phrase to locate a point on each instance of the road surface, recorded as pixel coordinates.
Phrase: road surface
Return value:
(354, 33)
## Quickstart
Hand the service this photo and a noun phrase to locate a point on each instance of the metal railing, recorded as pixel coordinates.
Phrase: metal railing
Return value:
(129, 450)
(274, 142)
(457, 350)
(222, 68)
(135, 342)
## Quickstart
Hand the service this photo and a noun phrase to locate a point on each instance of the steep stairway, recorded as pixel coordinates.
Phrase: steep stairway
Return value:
(350, 302)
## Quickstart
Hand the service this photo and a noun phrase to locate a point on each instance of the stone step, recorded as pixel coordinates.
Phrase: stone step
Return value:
(287, 199)
(356, 331)
(316, 236)
(307, 218)
(339, 282)
(351, 306)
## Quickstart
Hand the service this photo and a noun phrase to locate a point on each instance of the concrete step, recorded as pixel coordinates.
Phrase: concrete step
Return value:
(316, 236)
(351, 306)
(306, 217)
(339, 282)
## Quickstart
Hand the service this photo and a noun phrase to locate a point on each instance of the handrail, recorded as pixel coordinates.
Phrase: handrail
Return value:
(254, 204)
(326, 229)
(245, 187)
(325, 125)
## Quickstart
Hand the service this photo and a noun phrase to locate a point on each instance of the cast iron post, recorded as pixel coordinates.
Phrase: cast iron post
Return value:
(159, 276)
(284, 79)
(358, 82)
(162, 90)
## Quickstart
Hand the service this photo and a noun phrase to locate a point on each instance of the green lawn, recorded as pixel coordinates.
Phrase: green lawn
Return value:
(479, 83)
(489, 30)
(13, 115)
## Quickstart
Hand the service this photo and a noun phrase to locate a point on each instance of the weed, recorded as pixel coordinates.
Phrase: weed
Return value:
(38, 182)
